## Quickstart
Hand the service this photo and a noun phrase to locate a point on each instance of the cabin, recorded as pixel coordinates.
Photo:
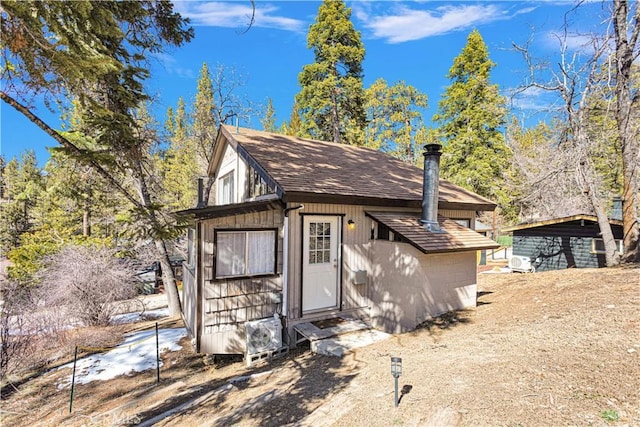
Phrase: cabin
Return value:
(567, 242)
(304, 231)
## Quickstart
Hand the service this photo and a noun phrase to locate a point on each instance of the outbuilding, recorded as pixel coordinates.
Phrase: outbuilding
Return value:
(559, 243)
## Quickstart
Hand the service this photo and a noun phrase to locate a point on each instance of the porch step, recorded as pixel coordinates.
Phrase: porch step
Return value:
(348, 333)
(311, 332)
(339, 345)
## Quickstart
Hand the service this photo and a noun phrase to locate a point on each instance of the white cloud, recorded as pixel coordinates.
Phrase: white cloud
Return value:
(572, 41)
(406, 24)
(170, 64)
(237, 15)
(532, 99)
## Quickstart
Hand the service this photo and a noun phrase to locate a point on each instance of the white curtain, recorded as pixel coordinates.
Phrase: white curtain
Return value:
(261, 252)
(230, 260)
(245, 253)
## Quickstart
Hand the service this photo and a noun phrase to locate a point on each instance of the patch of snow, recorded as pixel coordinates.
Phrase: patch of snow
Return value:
(136, 354)
(119, 319)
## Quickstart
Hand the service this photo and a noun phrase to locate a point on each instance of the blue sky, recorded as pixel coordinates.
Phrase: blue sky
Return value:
(414, 41)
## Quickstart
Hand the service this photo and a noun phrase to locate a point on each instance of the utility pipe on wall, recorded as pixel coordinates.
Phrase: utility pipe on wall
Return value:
(285, 260)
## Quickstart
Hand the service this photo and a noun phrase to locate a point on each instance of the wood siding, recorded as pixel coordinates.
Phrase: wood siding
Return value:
(189, 302)
(562, 245)
(352, 256)
(227, 304)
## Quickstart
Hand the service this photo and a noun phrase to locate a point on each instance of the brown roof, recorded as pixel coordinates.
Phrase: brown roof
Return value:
(455, 237)
(318, 170)
(559, 221)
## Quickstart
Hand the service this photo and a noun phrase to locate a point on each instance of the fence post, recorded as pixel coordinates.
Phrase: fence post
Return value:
(157, 353)
(73, 378)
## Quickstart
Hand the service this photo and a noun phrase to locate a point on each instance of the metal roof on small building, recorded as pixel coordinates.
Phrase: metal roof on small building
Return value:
(268, 202)
(581, 217)
(454, 238)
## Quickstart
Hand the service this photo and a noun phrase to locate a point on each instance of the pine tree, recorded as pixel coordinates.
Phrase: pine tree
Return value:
(470, 117)
(332, 98)
(269, 120)
(181, 167)
(293, 126)
(395, 123)
(95, 52)
(24, 184)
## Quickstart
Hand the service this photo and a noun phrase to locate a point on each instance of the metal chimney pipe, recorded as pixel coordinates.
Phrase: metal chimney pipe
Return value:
(430, 185)
(200, 190)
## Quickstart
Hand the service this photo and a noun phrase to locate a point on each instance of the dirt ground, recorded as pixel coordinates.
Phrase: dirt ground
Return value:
(546, 349)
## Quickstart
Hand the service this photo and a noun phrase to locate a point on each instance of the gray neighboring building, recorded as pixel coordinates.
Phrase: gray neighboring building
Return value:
(569, 242)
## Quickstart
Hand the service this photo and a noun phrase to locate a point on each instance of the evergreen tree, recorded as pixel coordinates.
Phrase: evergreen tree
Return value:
(269, 120)
(24, 184)
(181, 168)
(95, 52)
(293, 127)
(470, 117)
(395, 124)
(3, 165)
(332, 99)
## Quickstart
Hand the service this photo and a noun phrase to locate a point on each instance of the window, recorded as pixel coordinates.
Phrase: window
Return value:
(319, 242)
(597, 246)
(243, 253)
(191, 247)
(226, 190)
(464, 222)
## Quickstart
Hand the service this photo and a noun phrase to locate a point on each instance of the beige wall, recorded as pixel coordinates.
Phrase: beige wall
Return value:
(409, 287)
(380, 269)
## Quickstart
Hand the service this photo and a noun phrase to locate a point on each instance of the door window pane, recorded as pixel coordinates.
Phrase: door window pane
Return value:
(319, 242)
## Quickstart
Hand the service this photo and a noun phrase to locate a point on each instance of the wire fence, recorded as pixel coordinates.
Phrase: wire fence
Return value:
(130, 346)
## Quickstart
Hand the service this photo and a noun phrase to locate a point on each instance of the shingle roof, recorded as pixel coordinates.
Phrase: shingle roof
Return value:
(303, 167)
(455, 237)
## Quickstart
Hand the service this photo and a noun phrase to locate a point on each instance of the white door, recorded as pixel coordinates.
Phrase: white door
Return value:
(320, 263)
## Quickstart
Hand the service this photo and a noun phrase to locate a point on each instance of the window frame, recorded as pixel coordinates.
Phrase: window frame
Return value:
(230, 176)
(602, 251)
(460, 221)
(191, 247)
(247, 231)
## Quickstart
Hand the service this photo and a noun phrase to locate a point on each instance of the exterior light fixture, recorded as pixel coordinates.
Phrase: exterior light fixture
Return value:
(351, 225)
(396, 371)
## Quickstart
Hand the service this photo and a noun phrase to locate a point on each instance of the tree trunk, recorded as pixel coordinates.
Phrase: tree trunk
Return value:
(625, 47)
(629, 211)
(206, 190)
(86, 222)
(612, 257)
(86, 217)
(335, 118)
(168, 278)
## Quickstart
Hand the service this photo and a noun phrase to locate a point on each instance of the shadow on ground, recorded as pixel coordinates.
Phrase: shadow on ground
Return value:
(297, 385)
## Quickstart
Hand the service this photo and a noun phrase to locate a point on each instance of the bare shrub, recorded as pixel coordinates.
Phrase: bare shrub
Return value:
(84, 282)
(18, 346)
